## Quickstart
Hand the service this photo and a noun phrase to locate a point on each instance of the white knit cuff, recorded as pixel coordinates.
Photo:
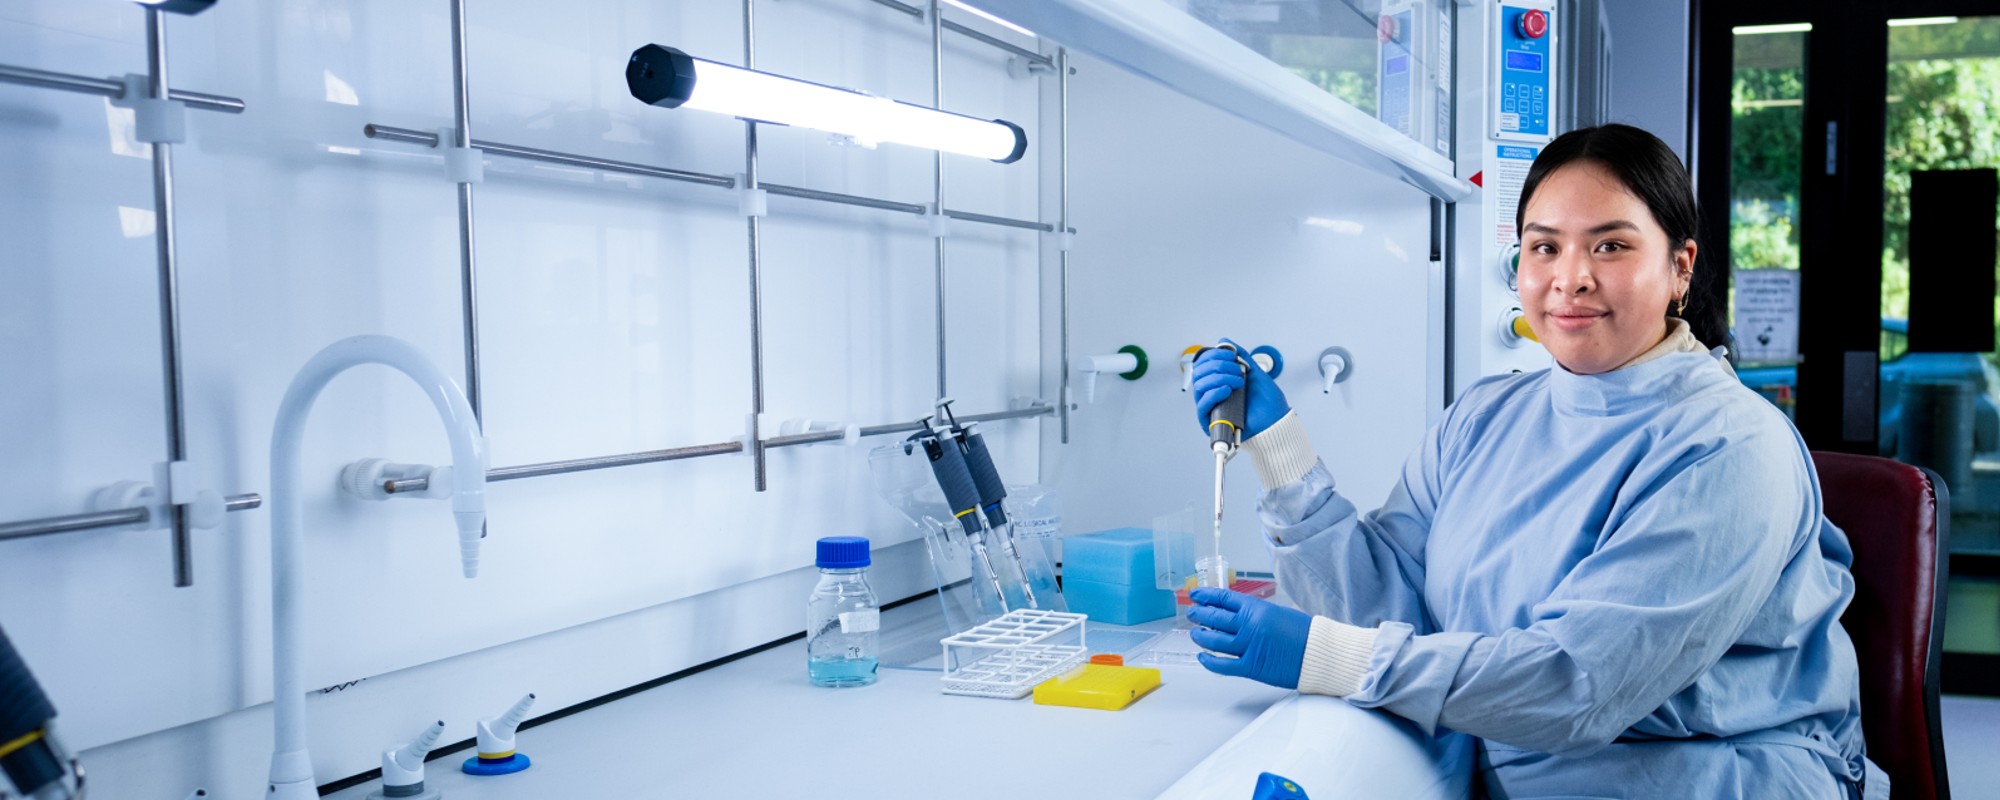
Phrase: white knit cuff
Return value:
(1282, 452)
(1336, 659)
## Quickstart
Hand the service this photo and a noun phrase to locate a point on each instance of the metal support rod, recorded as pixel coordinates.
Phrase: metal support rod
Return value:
(844, 199)
(104, 519)
(107, 87)
(170, 298)
(1004, 222)
(1037, 409)
(758, 461)
(1062, 221)
(389, 133)
(1030, 56)
(580, 465)
(937, 186)
(468, 276)
(429, 139)
(917, 12)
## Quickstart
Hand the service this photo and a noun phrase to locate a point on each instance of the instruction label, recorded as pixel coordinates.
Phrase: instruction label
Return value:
(860, 621)
(1508, 175)
(1767, 315)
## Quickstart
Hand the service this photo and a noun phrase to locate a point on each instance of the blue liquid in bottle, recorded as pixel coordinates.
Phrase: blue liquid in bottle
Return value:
(842, 617)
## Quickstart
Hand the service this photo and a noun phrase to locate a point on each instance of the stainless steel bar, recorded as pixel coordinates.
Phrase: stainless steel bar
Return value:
(844, 199)
(1062, 147)
(468, 274)
(695, 451)
(170, 293)
(1005, 222)
(110, 88)
(92, 520)
(1030, 55)
(427, 139)
(581, 465)
(937, 186)
(1036, 410)
(73, 522)
(758, 459)
(914, 11)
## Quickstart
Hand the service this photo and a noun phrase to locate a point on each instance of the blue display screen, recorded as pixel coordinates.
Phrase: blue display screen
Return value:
(1525, 62)
(1397, 65)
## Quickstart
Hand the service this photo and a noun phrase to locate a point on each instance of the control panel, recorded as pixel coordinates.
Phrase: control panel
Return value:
(1413, 71)
(1521, 95)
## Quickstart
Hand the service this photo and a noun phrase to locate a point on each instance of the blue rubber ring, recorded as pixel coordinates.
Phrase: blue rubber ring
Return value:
(508, 766)
(1277, 359)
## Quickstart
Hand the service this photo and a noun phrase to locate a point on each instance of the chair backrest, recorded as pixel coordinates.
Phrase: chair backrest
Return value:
(1895, 516)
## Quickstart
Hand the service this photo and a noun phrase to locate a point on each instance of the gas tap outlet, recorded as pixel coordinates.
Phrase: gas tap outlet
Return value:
(1128, 363)
(403, 768)
(497, 755)
(1335, 364)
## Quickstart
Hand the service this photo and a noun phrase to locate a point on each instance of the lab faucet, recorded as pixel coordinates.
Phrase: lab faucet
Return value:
(291, 764)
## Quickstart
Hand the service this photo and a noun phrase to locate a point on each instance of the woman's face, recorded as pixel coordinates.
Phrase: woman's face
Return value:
(1597, 272)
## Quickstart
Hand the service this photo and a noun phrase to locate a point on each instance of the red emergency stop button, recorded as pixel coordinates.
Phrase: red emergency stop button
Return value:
(1385, 29)
(1533, 23)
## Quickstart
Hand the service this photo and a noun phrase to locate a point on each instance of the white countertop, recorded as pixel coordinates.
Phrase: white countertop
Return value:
(756, 727)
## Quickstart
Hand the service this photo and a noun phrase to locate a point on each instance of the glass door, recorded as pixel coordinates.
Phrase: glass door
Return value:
(1940, 397)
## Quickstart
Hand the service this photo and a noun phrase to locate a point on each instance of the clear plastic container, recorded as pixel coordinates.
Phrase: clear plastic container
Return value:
(842, 616)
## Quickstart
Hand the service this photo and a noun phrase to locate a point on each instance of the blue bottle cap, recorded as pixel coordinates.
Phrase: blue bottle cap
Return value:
(843, 552)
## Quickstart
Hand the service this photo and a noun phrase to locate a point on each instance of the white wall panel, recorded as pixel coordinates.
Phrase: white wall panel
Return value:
(1190, 228)
(614, 319)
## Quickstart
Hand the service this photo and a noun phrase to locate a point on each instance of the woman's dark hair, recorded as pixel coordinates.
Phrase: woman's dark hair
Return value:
(1650, 171)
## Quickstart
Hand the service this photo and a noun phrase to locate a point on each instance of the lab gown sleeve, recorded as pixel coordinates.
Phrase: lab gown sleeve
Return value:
(1691, 549)
(1361, 569)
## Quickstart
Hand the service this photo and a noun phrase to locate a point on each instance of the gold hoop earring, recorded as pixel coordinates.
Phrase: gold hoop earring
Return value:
(1681, 309)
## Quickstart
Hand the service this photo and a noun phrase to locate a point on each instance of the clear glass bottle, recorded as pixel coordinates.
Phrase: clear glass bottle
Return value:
(842, 617)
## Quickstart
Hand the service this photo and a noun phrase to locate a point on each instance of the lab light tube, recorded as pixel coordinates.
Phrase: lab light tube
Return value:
(666, 77)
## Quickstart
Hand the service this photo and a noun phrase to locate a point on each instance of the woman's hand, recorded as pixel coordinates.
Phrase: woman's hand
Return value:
(1268, 640)
(1219, 372)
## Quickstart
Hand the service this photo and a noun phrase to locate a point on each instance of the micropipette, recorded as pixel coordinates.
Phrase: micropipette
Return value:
(1225, 432)
(947, 459)
(986, 479)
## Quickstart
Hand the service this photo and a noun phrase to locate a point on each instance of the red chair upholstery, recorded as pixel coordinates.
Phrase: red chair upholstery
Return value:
(1895, 516)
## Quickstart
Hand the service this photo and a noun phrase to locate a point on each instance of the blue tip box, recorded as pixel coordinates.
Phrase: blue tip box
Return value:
(1109, 576)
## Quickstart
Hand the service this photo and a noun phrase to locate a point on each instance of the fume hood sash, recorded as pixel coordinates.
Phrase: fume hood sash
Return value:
(1153, 39)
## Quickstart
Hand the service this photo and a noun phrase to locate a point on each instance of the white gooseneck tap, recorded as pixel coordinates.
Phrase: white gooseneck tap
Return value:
(291, 764)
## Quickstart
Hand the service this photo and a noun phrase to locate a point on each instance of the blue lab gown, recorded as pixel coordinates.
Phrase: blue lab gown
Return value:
(1621, 584)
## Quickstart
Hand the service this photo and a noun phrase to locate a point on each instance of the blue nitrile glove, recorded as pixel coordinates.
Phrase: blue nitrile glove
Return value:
(1216, 374)
(1268, 640)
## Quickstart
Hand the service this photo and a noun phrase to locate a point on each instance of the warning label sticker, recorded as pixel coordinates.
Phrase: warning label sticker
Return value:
(1509, 173)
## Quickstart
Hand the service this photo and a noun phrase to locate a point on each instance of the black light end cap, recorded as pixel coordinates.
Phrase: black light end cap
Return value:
(1020, 143)
(660, 76)
(189, 7)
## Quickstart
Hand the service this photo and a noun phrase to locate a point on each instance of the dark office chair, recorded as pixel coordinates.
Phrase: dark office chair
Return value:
(1895, 516)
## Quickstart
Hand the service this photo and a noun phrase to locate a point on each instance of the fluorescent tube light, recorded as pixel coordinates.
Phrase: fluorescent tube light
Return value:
(1789, 27)
(666, 77)
(1914, 21)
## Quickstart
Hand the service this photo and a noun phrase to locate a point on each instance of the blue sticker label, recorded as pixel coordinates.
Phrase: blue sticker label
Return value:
(1518, 153)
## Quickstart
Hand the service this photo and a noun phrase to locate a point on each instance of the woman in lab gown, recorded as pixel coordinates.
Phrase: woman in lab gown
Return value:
(1614, 572)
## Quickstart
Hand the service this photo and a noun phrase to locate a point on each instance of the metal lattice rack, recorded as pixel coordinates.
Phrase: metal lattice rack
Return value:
(458, 144)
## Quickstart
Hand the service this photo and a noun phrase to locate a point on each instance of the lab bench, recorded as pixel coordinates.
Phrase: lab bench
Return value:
(756, 728)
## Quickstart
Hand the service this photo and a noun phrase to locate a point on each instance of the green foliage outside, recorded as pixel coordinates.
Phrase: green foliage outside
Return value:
(1943, 113)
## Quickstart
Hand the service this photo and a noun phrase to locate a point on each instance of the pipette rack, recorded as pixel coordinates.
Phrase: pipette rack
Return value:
(1007, 657)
